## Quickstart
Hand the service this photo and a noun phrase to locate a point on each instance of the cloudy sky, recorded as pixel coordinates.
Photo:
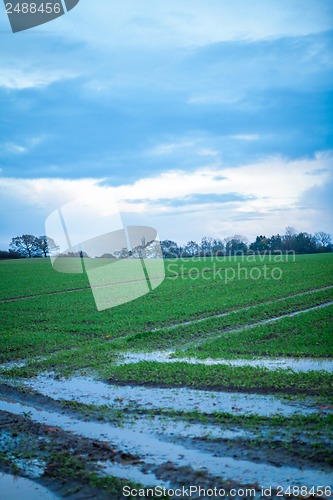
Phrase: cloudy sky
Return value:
(198, 118)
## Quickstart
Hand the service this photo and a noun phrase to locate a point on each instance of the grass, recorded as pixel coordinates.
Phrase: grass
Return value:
(305, 335)
(222, 377)
(185, 333)
(73, 335)
(64, 333)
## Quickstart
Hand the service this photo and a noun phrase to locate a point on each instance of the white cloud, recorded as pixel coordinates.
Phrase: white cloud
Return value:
(16, 148)
(168, 148)
(272, 187)
(245, 137)
(207, 152)
(25, 147)
(192, 22)
(25, 78)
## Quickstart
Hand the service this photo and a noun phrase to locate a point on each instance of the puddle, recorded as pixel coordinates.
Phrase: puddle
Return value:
(162, 426)
(155, 452)
(33, 468)
(89, 391)
(13, 364)
(13, 487)
(295, 364)
(131, 473)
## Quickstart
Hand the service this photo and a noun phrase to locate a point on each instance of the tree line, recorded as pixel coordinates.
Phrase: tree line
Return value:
(29, 246)
(291, 241)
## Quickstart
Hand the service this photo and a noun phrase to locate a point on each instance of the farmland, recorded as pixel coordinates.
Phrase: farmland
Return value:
(220, 377)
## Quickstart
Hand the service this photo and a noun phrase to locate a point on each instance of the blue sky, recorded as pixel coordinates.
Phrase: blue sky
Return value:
(198, 118)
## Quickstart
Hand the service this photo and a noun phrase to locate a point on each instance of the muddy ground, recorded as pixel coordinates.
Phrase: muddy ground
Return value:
(81, 439)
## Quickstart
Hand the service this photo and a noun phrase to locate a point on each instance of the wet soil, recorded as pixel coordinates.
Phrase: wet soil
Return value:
(76, 454)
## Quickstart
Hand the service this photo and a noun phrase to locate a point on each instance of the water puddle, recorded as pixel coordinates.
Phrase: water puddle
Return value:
(155, 452)
(131, 473)
(13, 487)
(89, 391)
(13, 364)
(295, 364)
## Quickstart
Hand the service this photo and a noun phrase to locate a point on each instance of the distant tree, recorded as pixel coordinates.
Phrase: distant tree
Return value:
(276, 243)
(218, 247)
(26, 246)
(47, 245)
(262, 244)
(170, 249)
(211, 246)
(236, 244)
(207, 246)
(323, 241)
(5, 255)
(152, 250)
(304, 243)
(289, 239)
(79, 254)
(122, 254)
(191, 249)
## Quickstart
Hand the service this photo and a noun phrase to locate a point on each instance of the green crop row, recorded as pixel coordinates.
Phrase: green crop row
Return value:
(49, 323)
(195, 331)
(221, 377)
(34, 330)
(307, 334)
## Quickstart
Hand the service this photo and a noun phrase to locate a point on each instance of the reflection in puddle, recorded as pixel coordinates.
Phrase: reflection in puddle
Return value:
(13, 488)
(295, 364)
(89, 391)
(157, 452)
(131, 473)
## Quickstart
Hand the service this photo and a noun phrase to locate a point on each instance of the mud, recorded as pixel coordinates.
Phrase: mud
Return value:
(102, 440)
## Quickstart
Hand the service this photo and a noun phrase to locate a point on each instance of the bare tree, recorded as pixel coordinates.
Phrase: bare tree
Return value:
(323, 239)
(47, 245)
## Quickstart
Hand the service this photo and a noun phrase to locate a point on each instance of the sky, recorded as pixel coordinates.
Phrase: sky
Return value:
(197, 118)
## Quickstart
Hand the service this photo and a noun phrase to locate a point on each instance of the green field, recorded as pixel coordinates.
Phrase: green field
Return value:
(216, 310)
(49, 319)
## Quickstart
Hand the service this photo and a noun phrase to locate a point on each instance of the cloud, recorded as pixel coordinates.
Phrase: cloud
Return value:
(29, 144)
(190, 22)
(245, 137)
(15, 148)
(185, 205)
(21, 79)
(166, 149)
(167, 105)
(194, 199)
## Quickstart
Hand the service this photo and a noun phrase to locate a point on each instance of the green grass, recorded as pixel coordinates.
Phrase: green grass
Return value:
(194, 332)
(221, 377)
(308, 334)
(73, 336)
(68, 325)
(24, 277)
